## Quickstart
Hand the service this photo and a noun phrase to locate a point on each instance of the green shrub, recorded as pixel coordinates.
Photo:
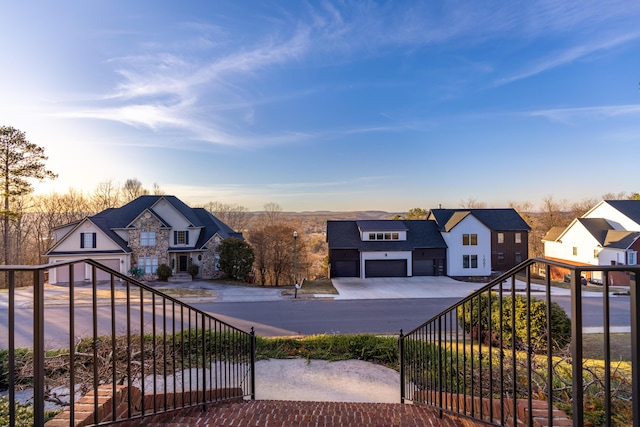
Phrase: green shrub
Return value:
(23, 413)
(475, 313)
(193, 270)
(560, 324)
(370, 348)
(482, 311)
(164, 272)
(137, 272)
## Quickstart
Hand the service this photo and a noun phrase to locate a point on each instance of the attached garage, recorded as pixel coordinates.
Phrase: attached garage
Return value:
(385, 268)
(62, 273)
(423, 267)
(428, 261)
(345, 268)
(113, 264)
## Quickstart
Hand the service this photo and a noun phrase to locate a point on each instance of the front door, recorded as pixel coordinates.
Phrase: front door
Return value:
(182, 263)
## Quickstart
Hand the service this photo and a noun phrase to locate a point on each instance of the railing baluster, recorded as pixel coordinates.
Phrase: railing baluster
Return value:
(11, 283)
(38, 347)
(549, 346)
(514, 360)
(94, 321)
(635, 342)
(142, 355)
(529, 349)
(129, 347)
(607, 350)
(576, 353)
(501, 326)
(114, 347)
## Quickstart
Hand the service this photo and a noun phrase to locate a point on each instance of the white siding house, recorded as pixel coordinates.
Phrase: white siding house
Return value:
(469, 243)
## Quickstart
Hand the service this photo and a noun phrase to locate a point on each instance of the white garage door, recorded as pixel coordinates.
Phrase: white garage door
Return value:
(113, 264)
(62, 273)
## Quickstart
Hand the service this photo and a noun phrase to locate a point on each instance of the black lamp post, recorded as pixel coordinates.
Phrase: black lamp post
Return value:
(295, 263)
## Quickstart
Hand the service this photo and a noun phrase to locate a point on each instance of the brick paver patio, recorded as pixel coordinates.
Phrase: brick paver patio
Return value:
(260, 413)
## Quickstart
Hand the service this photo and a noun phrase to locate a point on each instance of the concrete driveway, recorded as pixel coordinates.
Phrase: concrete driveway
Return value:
(402, 287)
(423, 287)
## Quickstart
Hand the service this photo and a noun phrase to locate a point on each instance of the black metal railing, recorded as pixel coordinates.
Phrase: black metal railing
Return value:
(113, 350)
(514, 352)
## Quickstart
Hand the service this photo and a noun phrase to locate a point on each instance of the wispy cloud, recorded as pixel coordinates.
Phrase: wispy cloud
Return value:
(567, 115)
(569, 55)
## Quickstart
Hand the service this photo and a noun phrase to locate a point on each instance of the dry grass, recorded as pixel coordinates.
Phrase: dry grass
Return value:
(311, 287)
(620, 345)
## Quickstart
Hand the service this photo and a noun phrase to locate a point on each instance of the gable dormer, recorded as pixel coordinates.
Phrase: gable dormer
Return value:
(382, 230)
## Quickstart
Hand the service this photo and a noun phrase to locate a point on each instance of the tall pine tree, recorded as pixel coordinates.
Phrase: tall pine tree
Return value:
(20, 160)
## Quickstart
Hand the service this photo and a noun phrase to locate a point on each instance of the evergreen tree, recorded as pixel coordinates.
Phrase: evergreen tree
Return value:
(20, 160)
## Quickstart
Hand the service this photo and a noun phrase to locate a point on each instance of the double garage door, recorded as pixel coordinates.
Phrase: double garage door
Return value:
(385, 268)
(80, 271)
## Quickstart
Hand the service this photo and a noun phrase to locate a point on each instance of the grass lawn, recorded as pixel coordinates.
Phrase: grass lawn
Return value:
(620, 344)
(310, 287)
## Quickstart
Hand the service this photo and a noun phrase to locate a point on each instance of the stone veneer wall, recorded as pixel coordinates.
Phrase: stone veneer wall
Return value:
(148, 222)
(208, 263)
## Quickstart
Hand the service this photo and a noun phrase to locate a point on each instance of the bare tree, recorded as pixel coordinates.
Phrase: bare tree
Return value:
(133, 189)
(272, 213)
(620, 196)
(106, 195)
(581, 207)
(235, 216)
(157, 191)
(472, 203)
(271, 237)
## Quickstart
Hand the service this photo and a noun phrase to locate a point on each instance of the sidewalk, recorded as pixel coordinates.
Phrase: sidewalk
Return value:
(349, 288)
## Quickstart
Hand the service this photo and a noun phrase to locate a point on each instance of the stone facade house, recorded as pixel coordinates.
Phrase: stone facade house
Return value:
(145, 233)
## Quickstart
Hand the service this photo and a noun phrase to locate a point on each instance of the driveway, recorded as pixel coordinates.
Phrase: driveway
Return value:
(425, 287)
(402, 287)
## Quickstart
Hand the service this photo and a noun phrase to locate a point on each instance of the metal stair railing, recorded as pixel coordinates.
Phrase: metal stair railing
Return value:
(499, 356)
(122, 334)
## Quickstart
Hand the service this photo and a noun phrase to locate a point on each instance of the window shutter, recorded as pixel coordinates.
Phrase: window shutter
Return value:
(94, 240)
(175, 237)
(81, 240)
(186, 237)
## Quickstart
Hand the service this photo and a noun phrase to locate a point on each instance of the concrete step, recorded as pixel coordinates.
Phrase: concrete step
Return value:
(180, 277)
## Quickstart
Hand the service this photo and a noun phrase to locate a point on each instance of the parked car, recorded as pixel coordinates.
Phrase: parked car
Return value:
(567, 279)
(595, 281)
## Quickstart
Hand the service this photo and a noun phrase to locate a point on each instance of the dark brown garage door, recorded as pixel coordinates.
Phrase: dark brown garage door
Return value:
(423, 267)
(386, 268)
(345, 269)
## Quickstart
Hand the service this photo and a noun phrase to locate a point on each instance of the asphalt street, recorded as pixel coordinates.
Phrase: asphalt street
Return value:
(382, 306)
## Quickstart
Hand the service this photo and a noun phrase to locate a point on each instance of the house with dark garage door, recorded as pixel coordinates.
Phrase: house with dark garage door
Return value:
(385, 248)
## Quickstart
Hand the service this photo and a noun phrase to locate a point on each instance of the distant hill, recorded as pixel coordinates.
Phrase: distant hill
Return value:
(352, 215)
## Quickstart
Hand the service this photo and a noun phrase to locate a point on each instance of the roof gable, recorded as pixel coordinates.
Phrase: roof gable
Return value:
(345, 234)
(619, 239)
(504, 219)
(629, 208)
(113, 219)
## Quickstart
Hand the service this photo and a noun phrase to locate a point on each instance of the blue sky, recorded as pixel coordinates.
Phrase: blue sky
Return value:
(330, 105)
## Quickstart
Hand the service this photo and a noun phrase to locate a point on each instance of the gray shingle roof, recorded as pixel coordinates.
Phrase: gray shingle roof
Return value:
(553, 234)
(504, 219)
(597, 227)
(620, 239)
(420, 234)
(630, 208)
(120, 218)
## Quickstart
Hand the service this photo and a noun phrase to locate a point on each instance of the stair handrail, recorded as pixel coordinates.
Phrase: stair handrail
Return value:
(162, 334)
(431, 351)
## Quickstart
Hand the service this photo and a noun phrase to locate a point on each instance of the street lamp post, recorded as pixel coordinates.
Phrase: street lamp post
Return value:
(295, 263)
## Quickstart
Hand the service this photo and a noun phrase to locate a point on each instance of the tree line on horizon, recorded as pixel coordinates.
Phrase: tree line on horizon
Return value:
(29, 219)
